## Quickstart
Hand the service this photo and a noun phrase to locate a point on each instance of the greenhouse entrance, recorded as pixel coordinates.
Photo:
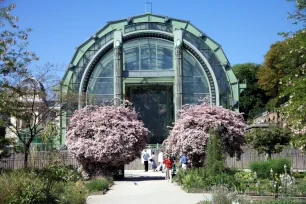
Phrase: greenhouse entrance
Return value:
(154, 103)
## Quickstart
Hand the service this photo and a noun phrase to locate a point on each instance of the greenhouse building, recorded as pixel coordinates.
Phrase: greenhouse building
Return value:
(156, 62)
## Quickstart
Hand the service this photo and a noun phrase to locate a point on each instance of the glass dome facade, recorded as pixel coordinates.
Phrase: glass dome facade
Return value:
(156, 62)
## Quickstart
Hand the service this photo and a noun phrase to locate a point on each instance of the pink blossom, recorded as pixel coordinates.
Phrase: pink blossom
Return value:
(106, 135)
(190, 133)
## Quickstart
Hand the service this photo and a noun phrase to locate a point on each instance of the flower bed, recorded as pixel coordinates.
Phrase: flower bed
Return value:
(245, 183)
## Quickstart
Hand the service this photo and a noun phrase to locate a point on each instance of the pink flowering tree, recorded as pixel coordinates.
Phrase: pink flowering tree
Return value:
(105, 138)
(190, 133)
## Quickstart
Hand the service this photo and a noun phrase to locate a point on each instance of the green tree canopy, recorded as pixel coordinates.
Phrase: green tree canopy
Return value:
(253, 99)
(270, 140)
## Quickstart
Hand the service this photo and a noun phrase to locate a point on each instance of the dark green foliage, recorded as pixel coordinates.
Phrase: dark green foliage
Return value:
(262, 168)
(269, 141)
(99, 184)
(23, 187)
(59, 173)
(199, 178)
(70, 192)
(55, 184)
(214, 161)
(253, 99)
(301, 188)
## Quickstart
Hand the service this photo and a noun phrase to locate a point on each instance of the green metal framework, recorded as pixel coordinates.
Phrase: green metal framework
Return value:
(224, 87)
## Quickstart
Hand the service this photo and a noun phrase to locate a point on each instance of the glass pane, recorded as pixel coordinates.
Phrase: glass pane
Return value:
(148, 54)
(101, 86)
(195, 83)
(105, 67)
(131, 58)
(193, 98)
(95, 99)
(200, 85)
(164, 55)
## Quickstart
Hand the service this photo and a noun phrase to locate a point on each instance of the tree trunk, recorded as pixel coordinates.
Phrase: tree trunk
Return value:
(26, 155)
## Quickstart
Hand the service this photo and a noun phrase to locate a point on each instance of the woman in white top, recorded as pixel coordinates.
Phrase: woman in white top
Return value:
(160, 160)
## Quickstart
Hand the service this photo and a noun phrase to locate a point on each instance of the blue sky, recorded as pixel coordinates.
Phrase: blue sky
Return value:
(244, 28)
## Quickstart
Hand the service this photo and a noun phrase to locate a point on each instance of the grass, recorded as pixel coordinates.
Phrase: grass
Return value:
(99, 184)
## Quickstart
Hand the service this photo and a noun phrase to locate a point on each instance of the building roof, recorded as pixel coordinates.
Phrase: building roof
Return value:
(32, 83)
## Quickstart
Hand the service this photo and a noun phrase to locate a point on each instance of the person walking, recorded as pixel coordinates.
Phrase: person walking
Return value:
(184, 161)
(145, 157)
(168, 162)
(152, 160)
(160, 161)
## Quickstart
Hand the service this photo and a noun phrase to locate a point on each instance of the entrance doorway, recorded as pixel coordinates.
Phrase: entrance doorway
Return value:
(154, 104)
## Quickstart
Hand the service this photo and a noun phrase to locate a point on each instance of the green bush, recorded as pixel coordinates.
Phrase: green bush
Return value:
(51, 185)
(180, 174)
(301, 188)
(59, 173)
(199, 178)
(214, 159)
(262, 168)
(23, 187)
(70, 193)
(99, 184)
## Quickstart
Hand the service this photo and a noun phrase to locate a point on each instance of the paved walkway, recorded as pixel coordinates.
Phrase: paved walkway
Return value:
(146, 188)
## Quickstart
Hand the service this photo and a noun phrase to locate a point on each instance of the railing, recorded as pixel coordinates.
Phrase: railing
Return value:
(148, 26)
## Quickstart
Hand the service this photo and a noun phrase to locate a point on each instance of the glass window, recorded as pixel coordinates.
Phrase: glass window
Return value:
(101, 83)
(223, 83)
(164, 55)
(101, 86)
(104, 68)
(131, 57)
(148, 54)
(195, 83)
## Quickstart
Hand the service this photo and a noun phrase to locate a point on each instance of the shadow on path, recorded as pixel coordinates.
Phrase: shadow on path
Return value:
(142, 178)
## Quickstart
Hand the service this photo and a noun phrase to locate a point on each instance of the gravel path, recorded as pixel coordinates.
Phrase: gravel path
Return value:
(146, 188)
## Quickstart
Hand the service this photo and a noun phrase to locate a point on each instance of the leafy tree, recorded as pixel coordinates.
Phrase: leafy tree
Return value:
(299, 15)
(191, 131)
(271, 140)
(272, 71)
(49, 135)
(293, 87)
(30, 107)
(214, 159)
(253, 99)
(104, 138)
(14, 56)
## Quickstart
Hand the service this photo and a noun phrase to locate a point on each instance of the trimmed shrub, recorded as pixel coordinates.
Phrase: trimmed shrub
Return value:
(262, 168)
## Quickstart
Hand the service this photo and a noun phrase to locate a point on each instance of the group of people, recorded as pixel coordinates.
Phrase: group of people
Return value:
(165, 164)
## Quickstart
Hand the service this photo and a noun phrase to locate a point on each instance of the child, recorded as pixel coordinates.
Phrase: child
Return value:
(168, 162)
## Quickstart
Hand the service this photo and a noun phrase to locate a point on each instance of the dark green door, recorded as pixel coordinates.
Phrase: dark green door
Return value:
(154, 104)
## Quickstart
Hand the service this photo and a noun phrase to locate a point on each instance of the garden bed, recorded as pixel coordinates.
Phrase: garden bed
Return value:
(250, 196)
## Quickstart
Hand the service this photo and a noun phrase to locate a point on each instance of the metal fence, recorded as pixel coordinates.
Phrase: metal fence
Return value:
(38, 160)
(43, 159)
(297, 158)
